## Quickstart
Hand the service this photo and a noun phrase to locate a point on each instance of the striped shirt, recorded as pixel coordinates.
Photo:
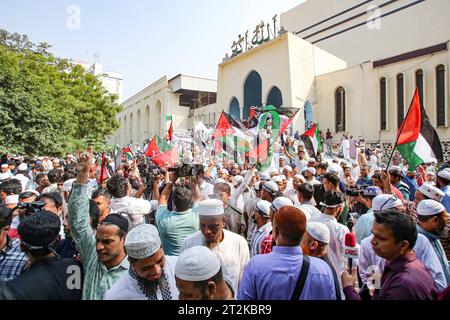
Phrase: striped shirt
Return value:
(12, 260)
(258, 237)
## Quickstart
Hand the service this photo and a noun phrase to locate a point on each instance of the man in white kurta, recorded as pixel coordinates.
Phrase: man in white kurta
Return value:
(143, 246)
(231, 248)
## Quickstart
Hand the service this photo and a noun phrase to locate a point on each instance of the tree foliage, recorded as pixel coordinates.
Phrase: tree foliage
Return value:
(48, 105)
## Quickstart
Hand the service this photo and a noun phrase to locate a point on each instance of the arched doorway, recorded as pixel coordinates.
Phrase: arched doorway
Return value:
(275, 98)
(235, 111)
(252, 93)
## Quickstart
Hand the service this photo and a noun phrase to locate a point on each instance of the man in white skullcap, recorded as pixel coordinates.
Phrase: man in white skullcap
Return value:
(424, 192)
(199, 276)
(315, 244)
(231, 248)
(432, 219)
(12, 201)
(151, 273)
(21, 171)
(310, 176)
(270, 191)
(369, 262)
(279, 181)
(443, 183)
(261, 217)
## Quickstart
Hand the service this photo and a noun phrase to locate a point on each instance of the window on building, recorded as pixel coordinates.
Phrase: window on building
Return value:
(383, 104)
(419, 84)
(235, 111)
(440, 96)
(400, 100)
(340, 109)
(275, 98)
(252, 93)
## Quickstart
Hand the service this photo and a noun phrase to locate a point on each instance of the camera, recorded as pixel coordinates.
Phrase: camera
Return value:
(148, 173)
(355, 192)
(187, 170)
(28, 209)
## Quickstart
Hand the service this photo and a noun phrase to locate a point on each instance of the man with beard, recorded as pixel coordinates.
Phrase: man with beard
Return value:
(102, 254)
(199, 276)
(231, 248)
(432, 219)
(151, 273)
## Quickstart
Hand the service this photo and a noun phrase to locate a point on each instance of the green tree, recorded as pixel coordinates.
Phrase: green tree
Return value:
(47, 105)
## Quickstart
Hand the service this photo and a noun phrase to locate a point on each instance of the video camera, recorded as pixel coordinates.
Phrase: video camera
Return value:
(187, 170)
(355, 191)
(28, 209)
(149, 172)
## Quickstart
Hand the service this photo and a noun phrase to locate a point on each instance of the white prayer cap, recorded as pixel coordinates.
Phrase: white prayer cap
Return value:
(67, 185)
(13, 199)
(22, 167)
(210, 207)
(4, 176)
(277, 179)
(258, 186)
(263, 207)
(273, 171)
(318, 231)
(332, 169)
(197, 264)
(444, 174)
(289, 168)
(429, 208)
(271, 187)
(5, 165)
(299, 176)
(282, 157)
(385, 201)
(237, 180)
(343, 162)
(431, 192)
(311, 160)
(224, 171)
(142, 241)
(311, 170)
(220, 180)
(265, 177)
(280, 202)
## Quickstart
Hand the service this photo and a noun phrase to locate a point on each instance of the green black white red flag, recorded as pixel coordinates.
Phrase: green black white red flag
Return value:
(418, 142)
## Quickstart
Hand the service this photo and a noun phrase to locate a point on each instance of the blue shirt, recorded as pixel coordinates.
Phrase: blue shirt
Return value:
(174, 227)
(446, 200)
(273, 276)
(363, 227)
(413, 186)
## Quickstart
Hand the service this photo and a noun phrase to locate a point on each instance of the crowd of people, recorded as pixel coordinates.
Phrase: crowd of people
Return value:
(226, 230)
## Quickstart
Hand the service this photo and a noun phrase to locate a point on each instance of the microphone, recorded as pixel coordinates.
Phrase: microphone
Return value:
(351, 251)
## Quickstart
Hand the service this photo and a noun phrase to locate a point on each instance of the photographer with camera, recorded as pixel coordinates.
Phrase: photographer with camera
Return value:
(177, 224)
(363, 226)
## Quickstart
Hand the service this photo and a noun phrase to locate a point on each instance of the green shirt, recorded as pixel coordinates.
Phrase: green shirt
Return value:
(174, 227)
(97, 278)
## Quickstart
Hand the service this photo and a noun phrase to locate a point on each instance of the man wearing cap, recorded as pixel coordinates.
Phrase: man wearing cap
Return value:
(369, 262)
(310, 176)
(199, 276)
(231, 248)
(432, 219)
(102, 254)
(21, 171)
(151, 273)
(261, 217)
(276, 276)
(270, 191)
(363, 226)
(396, 176)
(315, 244)
(5, 172)
(443, 183)
(334, 203)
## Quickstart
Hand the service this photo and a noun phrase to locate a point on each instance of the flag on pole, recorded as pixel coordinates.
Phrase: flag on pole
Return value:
(128, 153)
(104, 174)
(170, 157)
(418, 142)
(156, 146)
(169, 117)
(314, 136)
(117, 157)
(171, 131)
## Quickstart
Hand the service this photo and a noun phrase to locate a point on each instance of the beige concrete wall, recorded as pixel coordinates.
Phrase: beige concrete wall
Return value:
(418, 26)
(361, 84)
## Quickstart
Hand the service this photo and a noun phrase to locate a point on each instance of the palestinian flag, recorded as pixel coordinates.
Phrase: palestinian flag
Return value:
(169, 156)
(417, 140)
(128, 153)
(227, 125)
(314, 136)
(170, 132)
(156, 146)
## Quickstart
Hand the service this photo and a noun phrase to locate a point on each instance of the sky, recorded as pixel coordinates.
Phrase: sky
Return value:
(141, 39)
